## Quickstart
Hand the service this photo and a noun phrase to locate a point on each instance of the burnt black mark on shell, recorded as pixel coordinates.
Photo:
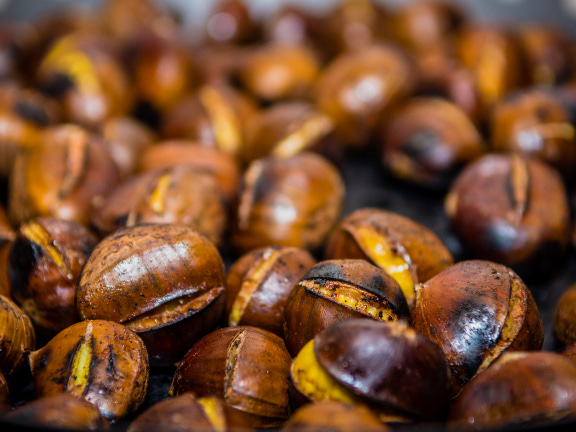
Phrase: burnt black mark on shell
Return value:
(58, 85)
(22, 260)
(33, 113)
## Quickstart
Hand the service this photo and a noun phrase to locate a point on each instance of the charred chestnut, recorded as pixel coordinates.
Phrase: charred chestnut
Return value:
(291, 202)
(165, 282)
(17, 336)
(246, 366)
(259, 283)
(404, 249)
(336, 290)
(44, 267)
(513, 211)
(101, 362)
(475, 311)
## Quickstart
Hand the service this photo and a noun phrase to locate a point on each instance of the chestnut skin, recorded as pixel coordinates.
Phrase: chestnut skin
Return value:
(475, 311)
(17, 336)
(336, 290)
(246, 366)
(519, 389)
(164, 281)
(565, 317)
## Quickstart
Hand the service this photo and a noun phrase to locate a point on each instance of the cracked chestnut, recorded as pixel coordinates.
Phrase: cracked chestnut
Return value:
(476, 311)
(246, 366)
(17, 336)
(336, 290)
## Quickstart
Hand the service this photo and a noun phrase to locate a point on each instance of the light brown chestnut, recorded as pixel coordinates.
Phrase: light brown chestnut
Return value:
(17, 336)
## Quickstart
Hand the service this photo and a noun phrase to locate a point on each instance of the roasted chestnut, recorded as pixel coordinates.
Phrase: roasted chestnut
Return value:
(427, 142)
(188, 413)
(404, 249)
(291, 201)
(475, 311)
(246, 366)
(519, 389)
(292, 25)
(60, 412)
(258, 285)
(535, 124)
(513, 211)
(44, 267)
(17, 336)
(336, 290)
(76, 171)
(334, 416)
(230, 22)
(357, 88)
(101, 362)
(165, 282)
(400, 374)
(182, 195)
(565, 317)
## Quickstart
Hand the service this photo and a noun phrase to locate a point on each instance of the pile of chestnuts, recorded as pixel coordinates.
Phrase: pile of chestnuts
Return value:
(347, 221)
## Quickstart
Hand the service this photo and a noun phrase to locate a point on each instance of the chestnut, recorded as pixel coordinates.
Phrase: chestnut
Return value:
(230, 23)
(356, 90)
(164, 281)
(519, 389)
(565, 317)
(76, 171)
(7, 236)
(428, 140)
(44, 267)
(513, 211)
(292, 24)
(101, 362)
(188, 413)
(5, 402)
(259, 283)
(475, 311)
(60, 412)
(246, 366)
(276, 71)
(334, 416)
(291, 201)
(535, 124)
(406, 250)
(336, 290)
(17, 336)
(182, 194)
(387, 366)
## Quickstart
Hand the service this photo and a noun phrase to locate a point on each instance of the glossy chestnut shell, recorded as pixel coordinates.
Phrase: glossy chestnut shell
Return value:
(246, 366)
(475, 311)
(165, 282)
(565, 317)
(17, 336)
(336, 290)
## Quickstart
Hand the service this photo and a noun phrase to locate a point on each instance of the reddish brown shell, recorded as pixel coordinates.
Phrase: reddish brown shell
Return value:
(17, 336)
(565, 316)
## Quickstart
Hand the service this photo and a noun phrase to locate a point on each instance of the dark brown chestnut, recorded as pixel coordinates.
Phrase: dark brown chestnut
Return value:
(475, 311)
(292, 24)
(246, 366)
(565, 317)
(165, 282)
(404, 249)
(336, 290)
(101, 362)
(7, 236)
(231, 23)
(44, 267)
(291, 202)
(513, 211)
(519, 389)
(259, 283)
(17, 336)
(5, 402)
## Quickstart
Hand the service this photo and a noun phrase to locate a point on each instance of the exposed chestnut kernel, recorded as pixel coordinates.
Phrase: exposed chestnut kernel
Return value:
(475, 311)
(165, 282)
(182, 195)
(101, 362)
(17, 336)
(565, 317)
(76, 170)
(259, 283)
(405, 250)
(246, 366)
(513, 211)
(188, 413)
(44, 267)
(336, 290)
(60, 412)
(291, 202)
(519, 389)
(334, 416)
(427, 142)
(397, 372)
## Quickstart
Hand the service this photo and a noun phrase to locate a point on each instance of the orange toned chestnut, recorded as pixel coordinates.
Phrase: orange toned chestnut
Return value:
(17, 336)
(565, 317)
(246, 366)
(475, 311)
(259, 283)
(165, 282)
